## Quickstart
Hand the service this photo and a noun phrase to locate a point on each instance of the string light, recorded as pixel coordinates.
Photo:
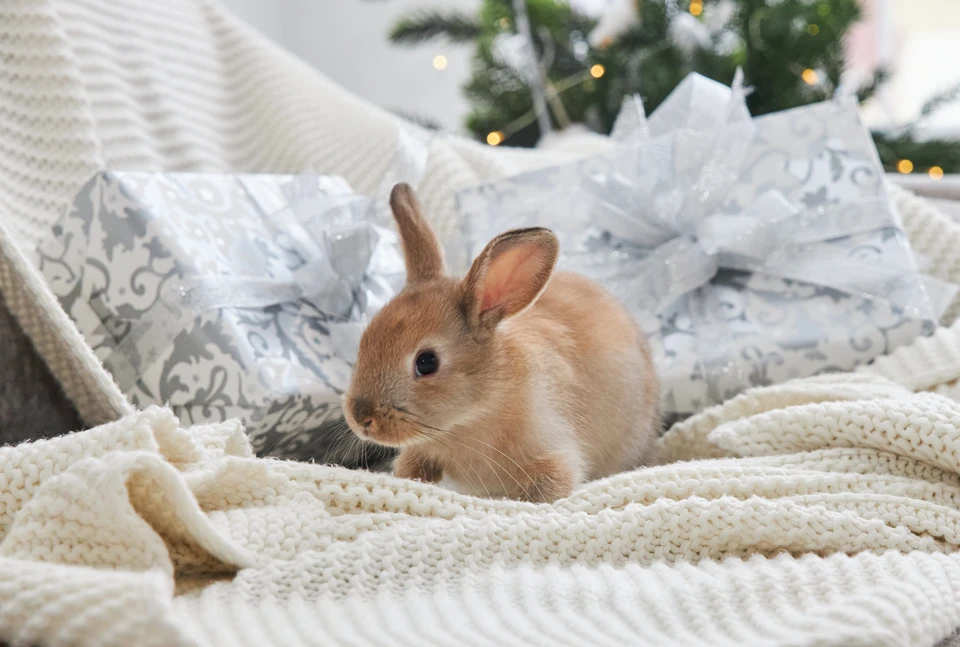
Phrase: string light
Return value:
(597, 71)
(495, 138)
(813, 29)
(696, 7)
(440, 62)
(936, 173)
(905, 166)
(809, 76)
(504, 23)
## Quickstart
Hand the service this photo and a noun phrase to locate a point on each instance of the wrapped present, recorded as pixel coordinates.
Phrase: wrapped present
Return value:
(750, 251)
(227, 296)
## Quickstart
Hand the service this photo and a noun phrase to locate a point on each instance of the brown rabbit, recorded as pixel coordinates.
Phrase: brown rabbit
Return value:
(506, 382)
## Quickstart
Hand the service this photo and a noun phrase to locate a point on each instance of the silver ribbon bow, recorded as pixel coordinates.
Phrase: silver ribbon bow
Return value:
(660, 229)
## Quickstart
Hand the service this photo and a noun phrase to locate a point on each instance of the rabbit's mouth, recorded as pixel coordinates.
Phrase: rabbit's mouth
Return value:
(390, 433)
(387, 426)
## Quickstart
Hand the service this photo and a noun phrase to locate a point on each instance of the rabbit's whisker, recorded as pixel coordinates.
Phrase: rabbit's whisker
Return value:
(459, 465)
(345, 444)
(487, 459)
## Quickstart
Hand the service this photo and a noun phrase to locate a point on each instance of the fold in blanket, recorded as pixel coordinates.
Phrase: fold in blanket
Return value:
(820, 511)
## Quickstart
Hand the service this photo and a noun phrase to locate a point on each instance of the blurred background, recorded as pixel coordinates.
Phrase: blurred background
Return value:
(472, 67)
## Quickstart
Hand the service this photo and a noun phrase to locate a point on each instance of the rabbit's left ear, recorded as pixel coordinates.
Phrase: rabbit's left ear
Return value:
(508, 275)
(421, 249)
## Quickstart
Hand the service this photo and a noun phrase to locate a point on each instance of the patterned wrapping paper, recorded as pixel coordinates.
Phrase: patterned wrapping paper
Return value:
(750, 251)
(228, 296)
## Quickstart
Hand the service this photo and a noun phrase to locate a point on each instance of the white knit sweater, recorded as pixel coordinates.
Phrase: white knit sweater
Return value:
(825, 513)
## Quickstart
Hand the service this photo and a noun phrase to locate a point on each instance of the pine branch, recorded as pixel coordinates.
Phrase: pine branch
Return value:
(880, 77)
(924, 155)
(424, 26)
(938, 101)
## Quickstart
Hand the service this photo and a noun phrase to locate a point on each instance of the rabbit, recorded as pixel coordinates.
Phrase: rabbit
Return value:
(506, 383)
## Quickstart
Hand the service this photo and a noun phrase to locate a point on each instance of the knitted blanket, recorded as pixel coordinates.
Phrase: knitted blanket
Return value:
(819, 512)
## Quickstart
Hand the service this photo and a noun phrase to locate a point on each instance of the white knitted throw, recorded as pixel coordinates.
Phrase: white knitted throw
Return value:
(826, 513)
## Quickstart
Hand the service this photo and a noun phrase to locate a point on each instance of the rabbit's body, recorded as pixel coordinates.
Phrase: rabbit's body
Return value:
(525, 401)
(563, 397)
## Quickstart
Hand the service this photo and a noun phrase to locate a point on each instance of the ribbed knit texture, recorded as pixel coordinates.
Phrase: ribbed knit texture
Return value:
(819, 512)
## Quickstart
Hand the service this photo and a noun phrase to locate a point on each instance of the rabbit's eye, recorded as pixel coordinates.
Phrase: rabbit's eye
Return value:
(427, 363)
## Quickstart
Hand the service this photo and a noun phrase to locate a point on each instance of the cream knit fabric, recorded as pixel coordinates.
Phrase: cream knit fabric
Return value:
(141, 533)
(822, 512)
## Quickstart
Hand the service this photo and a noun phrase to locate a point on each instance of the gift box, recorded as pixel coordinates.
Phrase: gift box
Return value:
(749, 250)
(227, 296)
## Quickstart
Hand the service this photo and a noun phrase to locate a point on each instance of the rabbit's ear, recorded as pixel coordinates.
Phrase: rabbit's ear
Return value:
(421, 249)
(508, 276)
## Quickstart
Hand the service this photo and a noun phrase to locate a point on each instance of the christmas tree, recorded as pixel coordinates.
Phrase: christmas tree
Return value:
(578, 59)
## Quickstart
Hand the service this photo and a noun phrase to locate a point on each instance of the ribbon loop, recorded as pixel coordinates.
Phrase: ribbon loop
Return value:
(678, 267)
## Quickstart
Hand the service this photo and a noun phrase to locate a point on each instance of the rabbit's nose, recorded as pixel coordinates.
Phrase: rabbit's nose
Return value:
(363, 412)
